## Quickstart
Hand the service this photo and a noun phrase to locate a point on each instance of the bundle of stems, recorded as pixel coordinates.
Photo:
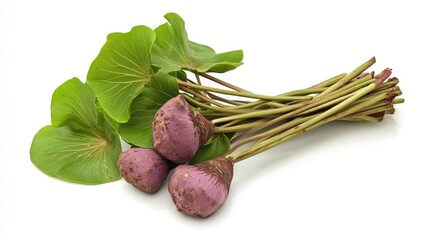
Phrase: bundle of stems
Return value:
(267, 121)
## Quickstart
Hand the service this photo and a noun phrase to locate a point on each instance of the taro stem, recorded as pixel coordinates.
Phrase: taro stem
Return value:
(308, 123)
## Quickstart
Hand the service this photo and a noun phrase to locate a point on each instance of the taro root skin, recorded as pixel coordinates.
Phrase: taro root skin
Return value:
(144, 168)
(178, 131)
(200, 190)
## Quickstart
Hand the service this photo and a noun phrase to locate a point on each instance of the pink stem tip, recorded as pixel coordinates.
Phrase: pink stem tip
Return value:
(386, 74)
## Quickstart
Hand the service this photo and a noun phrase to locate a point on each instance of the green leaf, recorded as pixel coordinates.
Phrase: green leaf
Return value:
(76, 157)
(72, 104)
(217, 146)
(181, 75)
(80, 146)
(109, 119)
(138, 130)
(120, 71)
(173, 51)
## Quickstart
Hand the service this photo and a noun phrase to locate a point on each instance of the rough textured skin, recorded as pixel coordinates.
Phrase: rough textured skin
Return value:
(144, 168)
(200, 190)
(178, 131)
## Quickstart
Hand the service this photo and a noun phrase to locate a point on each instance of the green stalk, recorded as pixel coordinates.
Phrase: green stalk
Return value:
(271, 132)
(223, 83)
(390, 111)
(299, 107)
(347, 78)
(321, 103)
(216, 97)
(398, 100)
(269, 105)
(315, 89)
(201, 96)
(361, 119)
(372, 111)
(240, 127)
(274, 141)
(339, 99)
(330, 81)
(307, 91)
(391, 83)
(232, 123)
(271, 142)
(209, 114)
(244, 94)
(261, 113)
(197, 76)
(206, 106)
(383, 105)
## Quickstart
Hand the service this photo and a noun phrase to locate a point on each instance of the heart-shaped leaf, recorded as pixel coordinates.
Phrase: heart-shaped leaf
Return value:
(121, 70)
(80, 146)
(173, 51)
(72, 104)
(138, 130)
(110, 120)
(216, 146)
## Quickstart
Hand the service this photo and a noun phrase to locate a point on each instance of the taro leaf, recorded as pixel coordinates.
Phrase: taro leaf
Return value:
(121, 70)
(173, 51)
(110, 120)
(181, 75)
(80, 146)
(217, 146)
(73, 104)
(138, 130)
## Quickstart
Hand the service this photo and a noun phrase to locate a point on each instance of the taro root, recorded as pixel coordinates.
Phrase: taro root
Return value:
(144, 168)
(201, 189)
(178, 130)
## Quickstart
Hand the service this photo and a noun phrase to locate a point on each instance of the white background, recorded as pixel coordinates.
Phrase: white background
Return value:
(341, 181)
